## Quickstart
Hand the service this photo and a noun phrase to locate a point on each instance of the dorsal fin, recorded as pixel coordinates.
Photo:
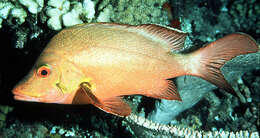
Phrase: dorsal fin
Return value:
(173, 38)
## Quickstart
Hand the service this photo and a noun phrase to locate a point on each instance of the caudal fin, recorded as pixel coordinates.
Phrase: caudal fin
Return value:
(212, 57)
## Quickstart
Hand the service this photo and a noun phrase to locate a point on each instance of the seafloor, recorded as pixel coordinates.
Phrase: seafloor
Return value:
(204, 20)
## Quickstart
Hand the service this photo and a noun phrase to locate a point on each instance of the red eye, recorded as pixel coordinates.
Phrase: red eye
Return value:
(43, 71)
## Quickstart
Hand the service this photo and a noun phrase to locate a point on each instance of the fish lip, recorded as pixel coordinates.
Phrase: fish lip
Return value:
(45, 99)
(21, 97)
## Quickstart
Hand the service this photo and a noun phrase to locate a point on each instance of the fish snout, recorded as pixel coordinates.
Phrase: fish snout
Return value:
(15, 91)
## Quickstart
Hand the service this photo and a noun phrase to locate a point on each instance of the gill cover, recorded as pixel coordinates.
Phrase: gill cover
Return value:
(70, 78)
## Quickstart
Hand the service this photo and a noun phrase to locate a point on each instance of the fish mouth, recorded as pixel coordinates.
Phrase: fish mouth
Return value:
(21, 97)
(50, 97)
(46, 99)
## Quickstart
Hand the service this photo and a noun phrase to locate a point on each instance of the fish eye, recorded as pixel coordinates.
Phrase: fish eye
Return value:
(43, 71)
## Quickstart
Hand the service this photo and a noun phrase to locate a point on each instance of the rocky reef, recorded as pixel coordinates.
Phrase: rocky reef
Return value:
(26, 26)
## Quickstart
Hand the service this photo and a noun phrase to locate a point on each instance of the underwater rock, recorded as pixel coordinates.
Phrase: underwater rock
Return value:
(25, 131)
(4, 110)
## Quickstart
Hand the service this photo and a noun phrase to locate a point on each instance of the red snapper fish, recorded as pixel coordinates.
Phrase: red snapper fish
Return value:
(99, 63)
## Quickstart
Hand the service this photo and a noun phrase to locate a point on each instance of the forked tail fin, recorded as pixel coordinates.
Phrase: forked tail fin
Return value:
(212, 57)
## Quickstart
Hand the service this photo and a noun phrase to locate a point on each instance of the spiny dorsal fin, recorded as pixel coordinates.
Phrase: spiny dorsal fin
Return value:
(173, 38)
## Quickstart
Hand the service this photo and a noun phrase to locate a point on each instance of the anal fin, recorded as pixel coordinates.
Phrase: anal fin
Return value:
(165, 89)
(116, 106)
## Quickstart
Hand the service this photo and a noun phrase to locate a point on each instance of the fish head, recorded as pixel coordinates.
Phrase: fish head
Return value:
(48, 81)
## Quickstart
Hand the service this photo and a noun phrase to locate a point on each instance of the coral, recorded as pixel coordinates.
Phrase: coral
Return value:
(54, 11)
(61, 12)
(34, 6)
(133, 11)
(69, 13)
(8, 9)
(242, 11)
(161, 130)
(65, 13)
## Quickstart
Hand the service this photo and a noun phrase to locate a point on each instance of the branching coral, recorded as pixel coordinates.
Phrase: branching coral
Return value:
(169, 131)
(59, 12)
(69, 13)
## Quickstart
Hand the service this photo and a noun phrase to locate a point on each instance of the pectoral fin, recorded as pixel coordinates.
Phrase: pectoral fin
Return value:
(113, 105)
(84, 95)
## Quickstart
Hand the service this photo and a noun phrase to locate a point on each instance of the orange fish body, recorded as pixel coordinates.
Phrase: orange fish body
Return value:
(99, 63)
